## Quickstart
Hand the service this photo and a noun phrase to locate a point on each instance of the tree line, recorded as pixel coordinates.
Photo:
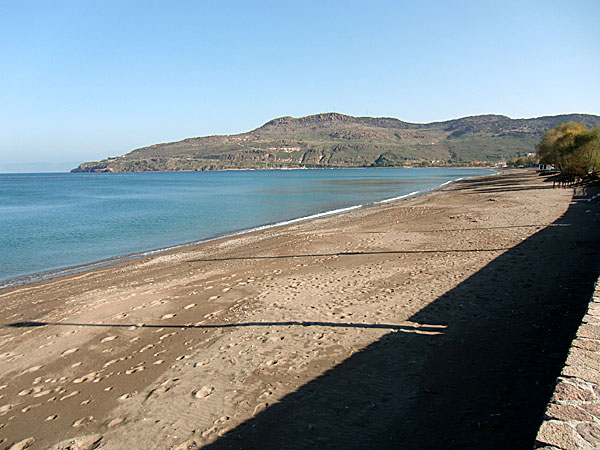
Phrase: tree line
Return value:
(523, 161)
(572, 148)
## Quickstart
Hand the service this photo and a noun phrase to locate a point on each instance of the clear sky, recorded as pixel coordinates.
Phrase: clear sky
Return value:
(83, 80)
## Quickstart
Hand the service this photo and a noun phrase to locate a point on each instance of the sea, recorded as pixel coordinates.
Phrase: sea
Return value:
(56, 223)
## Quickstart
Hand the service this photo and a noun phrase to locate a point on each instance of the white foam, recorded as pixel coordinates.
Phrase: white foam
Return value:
(299, 219)
(448, 182)
(109, 261)
(387, 200)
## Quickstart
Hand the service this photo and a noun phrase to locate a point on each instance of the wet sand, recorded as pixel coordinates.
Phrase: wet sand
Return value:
(439, 321)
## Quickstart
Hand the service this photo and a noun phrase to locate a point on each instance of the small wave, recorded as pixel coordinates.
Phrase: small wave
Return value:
(387, 200)
(52, 273)
(46, 275)
(299, 219)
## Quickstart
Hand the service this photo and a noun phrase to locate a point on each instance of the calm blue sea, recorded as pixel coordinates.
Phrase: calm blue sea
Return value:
(49, 222)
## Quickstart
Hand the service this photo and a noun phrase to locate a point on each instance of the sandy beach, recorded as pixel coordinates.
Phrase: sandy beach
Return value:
(439, 321)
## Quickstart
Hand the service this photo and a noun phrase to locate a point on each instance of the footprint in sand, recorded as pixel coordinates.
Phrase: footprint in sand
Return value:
(203, 392)
(221, 420)
(22, 445)
(30, 407)
(212, 314)
(84, 443)
(6, 408)
(89, 377)
(72, 394)
(208, 432)
(84, 421)
(42, 393)
(164, 336)
(134, 370)
(31, 369)
(260, 407)
(190, 444)
(70, 351)
(115, 422)
(159, 390)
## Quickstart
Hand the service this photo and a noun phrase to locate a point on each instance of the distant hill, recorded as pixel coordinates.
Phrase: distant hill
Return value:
(337, 140)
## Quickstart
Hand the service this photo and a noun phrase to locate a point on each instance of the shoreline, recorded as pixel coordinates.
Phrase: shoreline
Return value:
(451, 311)
(26, 279)
(484, 167)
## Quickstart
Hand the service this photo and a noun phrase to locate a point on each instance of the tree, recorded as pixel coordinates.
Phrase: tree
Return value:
(522, 161)
(588, 149)
(571, 148)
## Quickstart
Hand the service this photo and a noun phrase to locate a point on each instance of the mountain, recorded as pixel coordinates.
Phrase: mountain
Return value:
(337, 140)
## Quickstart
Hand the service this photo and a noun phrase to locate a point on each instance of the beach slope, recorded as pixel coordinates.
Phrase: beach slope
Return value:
(439, 321)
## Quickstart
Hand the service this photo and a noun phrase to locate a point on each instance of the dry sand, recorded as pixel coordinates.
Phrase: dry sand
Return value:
(434, 322)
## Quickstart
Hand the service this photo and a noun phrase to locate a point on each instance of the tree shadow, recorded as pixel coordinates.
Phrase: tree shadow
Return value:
(482, 384)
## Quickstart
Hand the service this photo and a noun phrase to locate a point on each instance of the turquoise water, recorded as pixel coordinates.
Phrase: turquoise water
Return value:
(49, 222)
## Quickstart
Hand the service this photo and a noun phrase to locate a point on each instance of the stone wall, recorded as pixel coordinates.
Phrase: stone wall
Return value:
(572, 419)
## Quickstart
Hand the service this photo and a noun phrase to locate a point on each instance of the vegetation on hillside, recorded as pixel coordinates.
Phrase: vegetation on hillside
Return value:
(572, 148)
(337, 140)
(523, 161)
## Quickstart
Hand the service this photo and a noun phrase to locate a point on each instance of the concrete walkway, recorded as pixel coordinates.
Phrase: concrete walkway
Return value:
(572, 419)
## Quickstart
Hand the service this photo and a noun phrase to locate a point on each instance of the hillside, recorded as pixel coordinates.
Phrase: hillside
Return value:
(337, 140)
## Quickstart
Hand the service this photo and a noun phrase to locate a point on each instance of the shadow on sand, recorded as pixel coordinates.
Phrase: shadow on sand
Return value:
(407, 328)
(481, 384)
(358, 253)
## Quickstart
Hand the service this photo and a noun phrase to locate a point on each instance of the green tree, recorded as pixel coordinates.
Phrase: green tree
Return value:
(587, 145)
(522, 161)
(571, 148)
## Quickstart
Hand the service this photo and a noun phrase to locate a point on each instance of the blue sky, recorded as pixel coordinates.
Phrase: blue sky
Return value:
(83, 80)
